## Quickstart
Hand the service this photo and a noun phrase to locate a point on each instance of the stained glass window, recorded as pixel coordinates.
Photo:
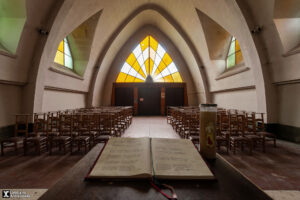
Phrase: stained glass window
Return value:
(235, 55)
(149, 60)
(63, 54)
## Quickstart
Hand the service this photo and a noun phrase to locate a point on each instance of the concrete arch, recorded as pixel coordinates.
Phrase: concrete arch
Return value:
(151, 14)
(187, 37)
(131, 43)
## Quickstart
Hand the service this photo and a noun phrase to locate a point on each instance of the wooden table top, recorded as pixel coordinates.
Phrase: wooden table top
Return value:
(230, 184)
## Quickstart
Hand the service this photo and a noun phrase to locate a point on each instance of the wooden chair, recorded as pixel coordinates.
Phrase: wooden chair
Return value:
(37, 139)
(81, 125)
(21, 131)
(194, 126)
(236, 133)
(106, 130)
(260, 129)
(64, 139)
(222, 135)
(250, 131)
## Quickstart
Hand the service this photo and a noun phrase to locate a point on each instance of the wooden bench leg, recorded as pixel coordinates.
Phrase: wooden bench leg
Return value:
(25, 148)
(234, 147)
(64, 147)
(39, 147)
(250, 144)
(264, 145)
(85, 146)
(16, 148)
(50, 147)
(71, 147)
(2, 148)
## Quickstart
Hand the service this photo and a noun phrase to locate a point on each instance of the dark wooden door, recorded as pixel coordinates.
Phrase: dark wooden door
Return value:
(149, 101)
(124, 96)
(174, 97)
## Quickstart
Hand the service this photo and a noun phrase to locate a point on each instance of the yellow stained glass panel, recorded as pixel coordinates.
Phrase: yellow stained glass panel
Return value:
(169, 78)
(238, 57)
(129, 79)
(151, 65)
(138, 68)
(156, 72)
(137, 80)
(121, 77)
(131, 59)
(145, 43)
(59, 58)
(153, 43)
(147, 65)
(63, 54)
(160, 80)
(167, 59)
(61, 46)
(176, 77)
(237, 46)
(161, 66)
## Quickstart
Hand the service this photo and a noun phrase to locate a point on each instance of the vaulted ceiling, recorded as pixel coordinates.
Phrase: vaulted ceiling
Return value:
(196, 30)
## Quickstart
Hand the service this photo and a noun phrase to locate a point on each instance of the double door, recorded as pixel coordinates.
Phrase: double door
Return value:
(149, 101)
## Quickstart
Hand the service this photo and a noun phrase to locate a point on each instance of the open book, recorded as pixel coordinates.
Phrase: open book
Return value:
(148, 157)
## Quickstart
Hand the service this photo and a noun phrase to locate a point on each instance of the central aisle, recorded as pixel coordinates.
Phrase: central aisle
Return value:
(153, 126)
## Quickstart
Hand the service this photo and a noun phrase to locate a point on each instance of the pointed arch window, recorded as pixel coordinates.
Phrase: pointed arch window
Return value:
(64, 55)
(149, 61)
(234, 55)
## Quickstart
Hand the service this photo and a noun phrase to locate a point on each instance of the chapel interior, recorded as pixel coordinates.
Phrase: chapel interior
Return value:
(75, 73)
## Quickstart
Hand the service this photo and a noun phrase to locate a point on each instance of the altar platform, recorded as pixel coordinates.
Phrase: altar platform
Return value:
(229, 184)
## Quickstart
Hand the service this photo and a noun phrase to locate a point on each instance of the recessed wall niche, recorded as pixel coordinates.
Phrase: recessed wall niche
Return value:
(12, 20)
(287, 21)
(80, 42)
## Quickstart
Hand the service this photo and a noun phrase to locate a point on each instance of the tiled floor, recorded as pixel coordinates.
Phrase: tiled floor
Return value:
(155, 127)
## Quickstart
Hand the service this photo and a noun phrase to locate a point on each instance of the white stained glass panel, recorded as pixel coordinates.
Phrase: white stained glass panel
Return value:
(139, 76)
(137, 51)
(140, 60)
(144, 69)
(149, 59)
(160, 51)
(158, 77)
(126, 67)
(172, 68)
(157, 60)
(132, 72)
(152, 54)
(146, 53)
(165, 72)
(67, 49)
(68, 62)
(154, 69)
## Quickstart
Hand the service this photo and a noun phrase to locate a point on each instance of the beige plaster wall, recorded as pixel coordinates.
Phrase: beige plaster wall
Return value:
(10, 104)
(59, 100)
(242, 100)
(263, 52)
(289, 108)
(276, 38)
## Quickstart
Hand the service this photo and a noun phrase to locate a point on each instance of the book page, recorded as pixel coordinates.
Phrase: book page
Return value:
(178, 159)
(124, 157)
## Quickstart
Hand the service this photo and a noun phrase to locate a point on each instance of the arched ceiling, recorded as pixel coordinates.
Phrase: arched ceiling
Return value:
(119, 20)
(151, 17)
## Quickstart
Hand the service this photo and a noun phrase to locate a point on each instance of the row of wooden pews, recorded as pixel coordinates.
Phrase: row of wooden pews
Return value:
(234, 128)
(68, 129)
